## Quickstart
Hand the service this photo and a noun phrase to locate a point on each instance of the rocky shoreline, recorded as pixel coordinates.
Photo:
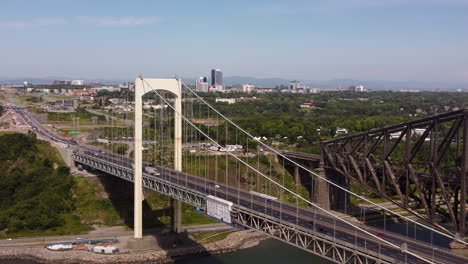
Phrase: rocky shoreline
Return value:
(234, 241)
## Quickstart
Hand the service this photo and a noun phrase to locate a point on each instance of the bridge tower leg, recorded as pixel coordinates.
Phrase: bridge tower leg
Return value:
(176, 205)
(138, 177)
(143, 86)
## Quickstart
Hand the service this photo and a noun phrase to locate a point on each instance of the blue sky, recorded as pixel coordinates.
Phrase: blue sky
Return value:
(423, 40)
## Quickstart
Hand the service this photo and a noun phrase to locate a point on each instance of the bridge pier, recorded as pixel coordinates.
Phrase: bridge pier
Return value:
(297, 176)
(176, 215)
(339, 200)
(321, 193)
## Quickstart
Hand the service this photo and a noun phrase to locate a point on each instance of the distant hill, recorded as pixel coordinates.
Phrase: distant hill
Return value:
(344, 83)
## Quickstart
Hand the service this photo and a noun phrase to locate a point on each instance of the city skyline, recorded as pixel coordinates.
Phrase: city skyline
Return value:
(360, 39)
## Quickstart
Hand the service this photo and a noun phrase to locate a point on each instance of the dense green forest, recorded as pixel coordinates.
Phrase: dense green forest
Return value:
(35, 187)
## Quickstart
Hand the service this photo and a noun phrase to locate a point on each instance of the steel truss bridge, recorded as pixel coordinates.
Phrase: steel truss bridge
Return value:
(420, 166)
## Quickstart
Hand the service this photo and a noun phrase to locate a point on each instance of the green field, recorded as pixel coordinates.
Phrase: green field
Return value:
(79, 113)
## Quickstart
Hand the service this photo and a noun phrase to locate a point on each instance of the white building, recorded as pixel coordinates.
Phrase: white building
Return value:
(125, 85)
(77, 82)
(314, 90)
(216, 88)
(226, 100)
(341, 131)
(248, 88)
(107, 88)
(202, 84)
(295, 85)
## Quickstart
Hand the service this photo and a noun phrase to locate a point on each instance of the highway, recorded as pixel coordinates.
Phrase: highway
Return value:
(306, 219)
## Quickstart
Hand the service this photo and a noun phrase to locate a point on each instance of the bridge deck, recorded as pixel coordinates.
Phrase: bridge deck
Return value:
(304, 228)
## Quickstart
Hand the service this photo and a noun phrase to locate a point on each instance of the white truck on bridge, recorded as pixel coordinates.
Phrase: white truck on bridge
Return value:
(268, 197)
(218, 208)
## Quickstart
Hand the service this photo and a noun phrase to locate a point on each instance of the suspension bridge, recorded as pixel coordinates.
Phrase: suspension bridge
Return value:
(195, 154)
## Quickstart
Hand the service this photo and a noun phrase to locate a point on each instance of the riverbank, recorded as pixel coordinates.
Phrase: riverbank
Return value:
(234, 241)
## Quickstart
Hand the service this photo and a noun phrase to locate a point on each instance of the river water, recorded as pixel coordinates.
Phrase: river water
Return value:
(269, 251)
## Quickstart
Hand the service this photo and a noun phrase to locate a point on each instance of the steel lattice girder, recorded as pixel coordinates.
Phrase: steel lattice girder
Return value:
(316, 243)
(153, 183)
(425, 175)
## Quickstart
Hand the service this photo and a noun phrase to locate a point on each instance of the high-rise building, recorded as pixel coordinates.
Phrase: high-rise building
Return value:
(216, 77)
(295, 85)
(202, 84)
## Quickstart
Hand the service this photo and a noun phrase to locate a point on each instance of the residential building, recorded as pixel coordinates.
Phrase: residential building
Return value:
(61, 82)
(357, 88)
(266, 90)
(66, 103)
(295, 85)
(236, 100)
(314, 90)
(216, 88)
(84, 92)
(77, 82)
(226, 100)
(248, 88)
(125, 85)
(202, 84)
